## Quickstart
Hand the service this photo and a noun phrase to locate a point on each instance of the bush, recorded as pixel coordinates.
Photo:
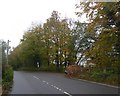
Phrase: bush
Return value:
(113, 79)
(100, 75)
(8, 75)
(50, 68)
(7, 78)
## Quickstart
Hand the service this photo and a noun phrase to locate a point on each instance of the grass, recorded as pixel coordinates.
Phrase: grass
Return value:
(108, 77)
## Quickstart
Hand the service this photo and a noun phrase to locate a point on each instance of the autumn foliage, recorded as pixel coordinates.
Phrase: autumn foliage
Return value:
(73, 70)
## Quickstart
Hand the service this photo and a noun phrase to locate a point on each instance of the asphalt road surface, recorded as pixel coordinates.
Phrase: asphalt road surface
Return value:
(55, 83)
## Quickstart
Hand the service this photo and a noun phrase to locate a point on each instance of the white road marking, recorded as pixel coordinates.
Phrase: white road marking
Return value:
(61, 90)
(35, 77)
(54, 87)
(67, 93)
(43, 81)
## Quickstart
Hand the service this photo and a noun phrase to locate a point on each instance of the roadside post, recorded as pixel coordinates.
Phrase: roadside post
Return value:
(38, 64)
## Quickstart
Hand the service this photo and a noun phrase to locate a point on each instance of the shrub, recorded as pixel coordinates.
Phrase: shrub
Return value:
(7, 78)
(8, 74)
(113, 78)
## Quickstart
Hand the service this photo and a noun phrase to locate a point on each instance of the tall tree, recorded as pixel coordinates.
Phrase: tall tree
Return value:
(31, 47)
(105, 25)
(57, 32)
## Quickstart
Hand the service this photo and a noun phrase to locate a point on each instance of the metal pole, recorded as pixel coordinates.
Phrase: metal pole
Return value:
(7, 49)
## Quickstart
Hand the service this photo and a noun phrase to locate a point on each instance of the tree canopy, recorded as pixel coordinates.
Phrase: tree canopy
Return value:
(60, 42)
(104, 25)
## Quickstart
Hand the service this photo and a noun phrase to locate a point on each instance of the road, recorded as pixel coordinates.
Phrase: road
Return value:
(55, 83)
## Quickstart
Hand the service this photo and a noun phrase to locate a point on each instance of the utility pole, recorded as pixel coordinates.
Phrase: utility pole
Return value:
(7, 49)
(0, 55)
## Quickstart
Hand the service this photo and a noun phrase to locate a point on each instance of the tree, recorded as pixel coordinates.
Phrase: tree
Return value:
(105, 25)
(30, 50)
(3, 55)
(32, 45)
(15, 58)
(6, 76)
(57, 38)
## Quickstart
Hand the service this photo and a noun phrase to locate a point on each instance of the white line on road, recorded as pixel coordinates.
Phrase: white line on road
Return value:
(57, 88)
(61, 90)
(43, 81)
(67, 93)
(35, 77)
(54, 87)
(47, 83)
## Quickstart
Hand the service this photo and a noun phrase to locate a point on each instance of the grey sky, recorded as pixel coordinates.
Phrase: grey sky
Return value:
(16, 16)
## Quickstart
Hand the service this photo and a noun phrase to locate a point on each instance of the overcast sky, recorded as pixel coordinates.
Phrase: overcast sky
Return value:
(16, 16)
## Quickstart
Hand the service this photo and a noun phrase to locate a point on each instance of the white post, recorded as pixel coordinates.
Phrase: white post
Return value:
(38, 64)
(7, 49)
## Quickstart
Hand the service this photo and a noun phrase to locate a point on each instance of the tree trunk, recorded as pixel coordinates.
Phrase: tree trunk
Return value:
(57, 59)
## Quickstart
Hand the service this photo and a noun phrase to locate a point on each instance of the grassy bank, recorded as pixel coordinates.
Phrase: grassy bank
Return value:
(107, 77)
